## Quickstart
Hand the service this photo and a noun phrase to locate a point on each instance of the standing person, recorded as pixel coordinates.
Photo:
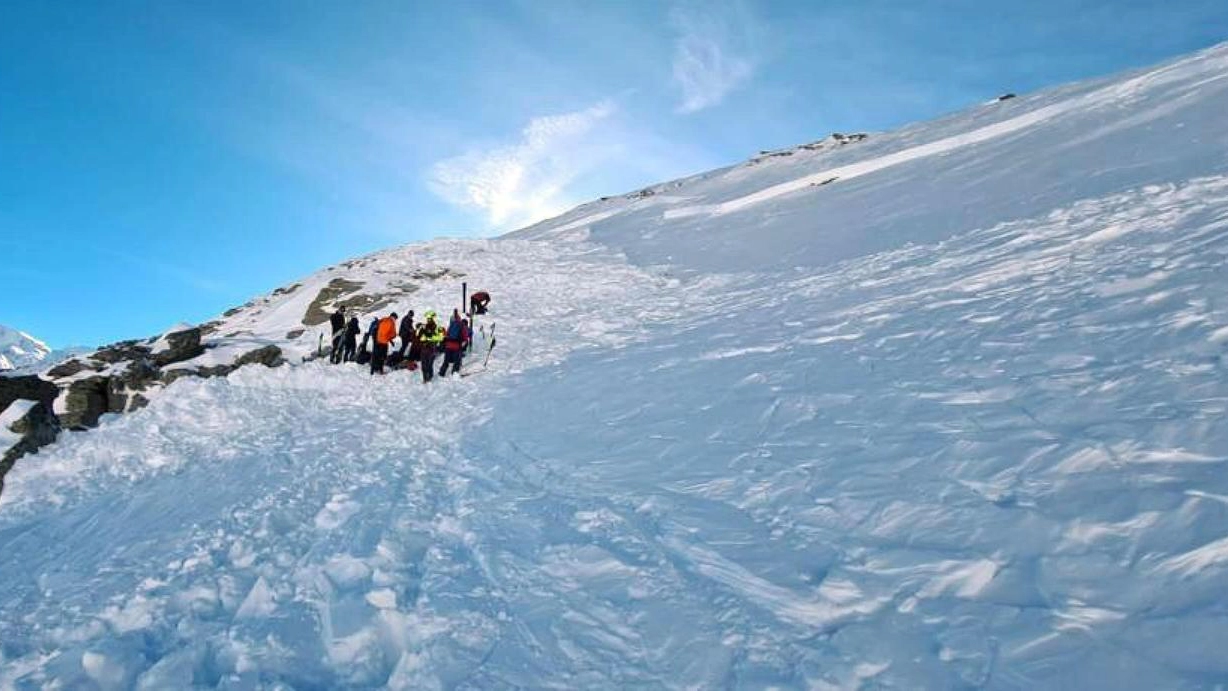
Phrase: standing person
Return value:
(364, 353)
(385, 333)
(453, 343)
(478, 302)
(429, 336)
(351, 339)
(406, 332)
(337, 321)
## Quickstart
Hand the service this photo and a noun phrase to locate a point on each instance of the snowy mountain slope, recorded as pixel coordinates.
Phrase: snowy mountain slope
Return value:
(20, 350)
(997, 162)
(978, 439)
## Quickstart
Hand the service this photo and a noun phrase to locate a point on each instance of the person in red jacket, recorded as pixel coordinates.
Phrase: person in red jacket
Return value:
(385, 334)
(478, 302)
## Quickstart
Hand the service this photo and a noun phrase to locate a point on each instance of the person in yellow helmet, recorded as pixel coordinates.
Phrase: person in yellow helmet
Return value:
(429, 338)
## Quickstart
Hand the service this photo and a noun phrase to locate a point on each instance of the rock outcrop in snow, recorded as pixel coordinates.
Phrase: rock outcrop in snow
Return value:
(289, 324)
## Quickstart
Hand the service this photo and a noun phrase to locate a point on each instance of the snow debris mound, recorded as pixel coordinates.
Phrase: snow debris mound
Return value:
(955, 416)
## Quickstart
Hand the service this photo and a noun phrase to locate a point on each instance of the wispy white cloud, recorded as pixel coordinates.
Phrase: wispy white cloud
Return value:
(713, 54)
(526, 181)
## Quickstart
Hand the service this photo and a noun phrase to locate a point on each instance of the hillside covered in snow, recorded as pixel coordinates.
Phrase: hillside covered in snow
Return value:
(941, 407)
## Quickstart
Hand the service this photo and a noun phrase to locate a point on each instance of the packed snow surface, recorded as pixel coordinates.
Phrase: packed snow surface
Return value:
(956, 421)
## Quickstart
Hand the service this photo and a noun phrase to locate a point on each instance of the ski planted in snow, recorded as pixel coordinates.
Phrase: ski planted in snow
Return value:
(489, 350)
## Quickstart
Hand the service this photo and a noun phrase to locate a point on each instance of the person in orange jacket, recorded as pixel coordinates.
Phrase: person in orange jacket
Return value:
(385, 334)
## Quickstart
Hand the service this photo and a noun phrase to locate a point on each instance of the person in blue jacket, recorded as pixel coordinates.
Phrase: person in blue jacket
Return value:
(453, 344)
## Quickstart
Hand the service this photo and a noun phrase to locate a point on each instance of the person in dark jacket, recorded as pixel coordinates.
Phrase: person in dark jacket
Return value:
(406, 332)
(351, 340)
(337, 321)
(453, 344)
(364, 353)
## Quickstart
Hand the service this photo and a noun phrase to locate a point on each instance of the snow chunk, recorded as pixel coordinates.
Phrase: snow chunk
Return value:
(259, 603)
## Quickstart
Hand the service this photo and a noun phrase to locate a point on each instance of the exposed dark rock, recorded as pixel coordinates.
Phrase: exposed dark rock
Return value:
(171, 376)
(139, 375)
(70, 367)
(183, 345)
(436, 274)
(287, 290)
(38, 428)
(118, 352)
(31, 388)
(269, 356)
(324, 304)
(117, 396)
(85, 401)
(295, 333)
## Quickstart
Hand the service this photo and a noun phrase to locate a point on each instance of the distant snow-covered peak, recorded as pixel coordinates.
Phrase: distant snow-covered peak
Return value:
(19, 349)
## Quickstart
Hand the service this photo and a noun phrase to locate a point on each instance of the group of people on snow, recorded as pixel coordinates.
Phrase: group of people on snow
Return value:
(417, 345)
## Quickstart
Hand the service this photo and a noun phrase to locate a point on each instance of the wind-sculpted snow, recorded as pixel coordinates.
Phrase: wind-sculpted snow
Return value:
(931, 181)
(993, 461)
(987, 451)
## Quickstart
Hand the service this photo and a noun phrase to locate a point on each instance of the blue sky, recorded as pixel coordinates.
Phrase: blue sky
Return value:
(163, 161)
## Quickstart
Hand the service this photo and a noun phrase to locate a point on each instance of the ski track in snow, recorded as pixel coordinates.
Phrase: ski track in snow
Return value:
(549, 525)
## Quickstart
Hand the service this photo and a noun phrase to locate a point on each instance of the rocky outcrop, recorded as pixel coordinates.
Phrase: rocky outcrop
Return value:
(120, 352)
(327, 300)
(269, 356)
(180, 346)
(38, 427)
(30, 388)
(70, 368)
(85, 401)
(115, 379)
(342, 292)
